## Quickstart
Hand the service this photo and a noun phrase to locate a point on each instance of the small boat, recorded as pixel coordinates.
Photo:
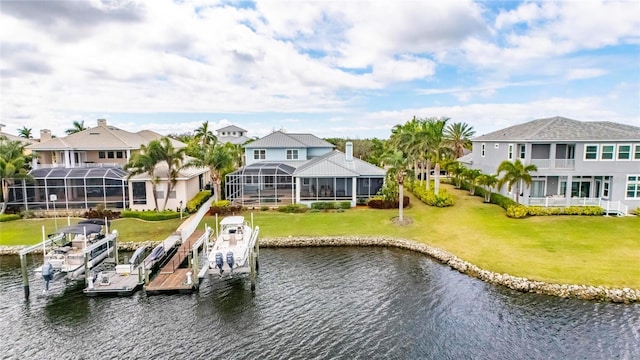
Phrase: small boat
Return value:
(74, 247)
(235, 250)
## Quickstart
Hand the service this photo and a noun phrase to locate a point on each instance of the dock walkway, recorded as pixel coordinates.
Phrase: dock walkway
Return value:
(173, 278)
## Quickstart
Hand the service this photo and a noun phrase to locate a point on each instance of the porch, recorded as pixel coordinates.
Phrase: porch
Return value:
(610, 207)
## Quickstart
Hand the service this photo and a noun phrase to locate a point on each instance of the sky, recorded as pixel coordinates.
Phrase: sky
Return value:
(351, 69)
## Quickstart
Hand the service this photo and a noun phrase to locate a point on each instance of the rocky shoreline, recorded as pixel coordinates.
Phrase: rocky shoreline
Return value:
(616, 295)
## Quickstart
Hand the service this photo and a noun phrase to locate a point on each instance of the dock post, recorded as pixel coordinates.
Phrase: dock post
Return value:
(86, 269)
(25, 276)
(194, 266)
(115, 246)
(146, 276)
(140, 274)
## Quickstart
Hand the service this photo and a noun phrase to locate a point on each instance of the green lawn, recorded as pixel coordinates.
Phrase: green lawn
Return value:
(565, 249)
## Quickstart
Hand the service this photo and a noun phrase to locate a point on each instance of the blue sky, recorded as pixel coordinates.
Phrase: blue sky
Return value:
(335, 69)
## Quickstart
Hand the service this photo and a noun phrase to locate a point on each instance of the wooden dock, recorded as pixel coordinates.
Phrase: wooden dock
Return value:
(173, 277)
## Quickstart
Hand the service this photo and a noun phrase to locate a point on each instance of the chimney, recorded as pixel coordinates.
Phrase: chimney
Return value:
(102, 122)
(348, 151)
(45, 135)
(1, 126)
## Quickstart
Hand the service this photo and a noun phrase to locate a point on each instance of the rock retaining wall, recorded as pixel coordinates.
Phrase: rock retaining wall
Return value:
(625, 295)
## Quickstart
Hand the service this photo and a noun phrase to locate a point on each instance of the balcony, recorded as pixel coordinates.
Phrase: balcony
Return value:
(568, 164)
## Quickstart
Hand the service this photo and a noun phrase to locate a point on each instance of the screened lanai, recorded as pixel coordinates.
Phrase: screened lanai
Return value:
(261, 184)
(74, 188)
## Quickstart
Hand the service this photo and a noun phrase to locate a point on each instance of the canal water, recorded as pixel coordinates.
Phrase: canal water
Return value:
(316, 303)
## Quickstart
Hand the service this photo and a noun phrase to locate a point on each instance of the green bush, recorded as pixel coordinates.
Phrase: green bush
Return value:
(150, 215)
(502, 201)
(264, 208)
(378, 203)
(224, 207)
(517, 211)
(443, 199)
(199, 199)
(344, 205)
(294, 208)
(323, 205)
(9, 217)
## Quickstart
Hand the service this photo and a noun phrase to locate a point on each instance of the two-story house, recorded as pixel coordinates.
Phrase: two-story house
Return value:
(578, 162)
(232, 134)
(285, 168)
(85, 169)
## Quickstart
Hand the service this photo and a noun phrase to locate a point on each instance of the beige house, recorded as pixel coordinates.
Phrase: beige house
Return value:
(85, 169)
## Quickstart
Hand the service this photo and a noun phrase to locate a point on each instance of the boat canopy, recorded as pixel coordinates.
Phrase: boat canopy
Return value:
(232, 220)
(79, 229)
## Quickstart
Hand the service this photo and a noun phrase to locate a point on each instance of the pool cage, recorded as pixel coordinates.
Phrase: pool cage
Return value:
(261, 184)
(74, 188)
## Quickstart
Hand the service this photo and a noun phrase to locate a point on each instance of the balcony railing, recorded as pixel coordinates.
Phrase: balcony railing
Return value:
(608, 206)
(82, 165)
(557, 163)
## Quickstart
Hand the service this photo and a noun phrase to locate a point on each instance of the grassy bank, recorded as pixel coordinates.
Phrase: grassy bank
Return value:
(564, 249)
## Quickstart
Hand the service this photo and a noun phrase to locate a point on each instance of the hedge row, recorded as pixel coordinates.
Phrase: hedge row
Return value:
(150, 215)
(331, 205)
(294, 208)
(224, 207)
(520, 211)
(378, 203)
(9, 217)
(199, 199)
(442, 199)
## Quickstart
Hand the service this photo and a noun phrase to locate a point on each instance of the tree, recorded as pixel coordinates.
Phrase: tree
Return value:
(218, 158)
(456, 170)
(13, 166)
(77, 127)
(487, 181)
(412, 139)
(437, 148)
(145, 163)
(472, 175)
(204, 135)
(514, 174)
(25, 132)
(397, 171)
(459, 136)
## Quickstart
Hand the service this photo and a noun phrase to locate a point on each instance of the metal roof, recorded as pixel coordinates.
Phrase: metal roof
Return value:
(279, 139)
(231, 128)
(79, 173)
(275, 168)
(559, 128)
(335, 163)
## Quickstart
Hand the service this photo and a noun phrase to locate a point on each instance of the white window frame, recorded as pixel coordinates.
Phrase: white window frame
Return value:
(630, 154)
(636, 183)
(510, 152)
(522, 151)
(597, 153)
(613, 152)
(635, 153)
(483, 148)
(259, 154)
(290, 154)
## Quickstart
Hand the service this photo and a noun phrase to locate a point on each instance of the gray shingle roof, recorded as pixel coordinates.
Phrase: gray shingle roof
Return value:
(559, 128)
(235, 140)
(231, 128)
(336, 164)
(279, 139)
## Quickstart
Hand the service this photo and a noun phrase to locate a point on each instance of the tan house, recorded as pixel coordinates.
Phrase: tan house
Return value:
(85, 169)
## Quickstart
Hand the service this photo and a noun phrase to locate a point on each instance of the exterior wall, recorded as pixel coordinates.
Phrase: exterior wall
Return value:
(274, 154)
(185, 190)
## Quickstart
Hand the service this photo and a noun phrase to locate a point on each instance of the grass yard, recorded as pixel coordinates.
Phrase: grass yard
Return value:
(564, 249)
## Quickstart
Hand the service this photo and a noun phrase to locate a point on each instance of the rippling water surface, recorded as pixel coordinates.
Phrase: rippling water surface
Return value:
(316, 303)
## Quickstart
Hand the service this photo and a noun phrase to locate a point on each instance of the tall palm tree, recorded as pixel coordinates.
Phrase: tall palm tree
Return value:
(456, 170)
(487, 181)
(218, 159)
(459, 136)
(205, 135)
(144, 162)
(514, 174)
(411, 138)
(397, 170)
(472, 175)
(77, 127)
(13, 166)
(437, 148)
(164, 150)
(25, 132)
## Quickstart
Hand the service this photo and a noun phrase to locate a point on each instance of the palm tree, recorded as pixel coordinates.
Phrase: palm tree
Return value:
(77, 127)
(13, 166)
(437, 149)
(25, 132)
(205, 135)
(487, 181)
(218, 159)
(144, 162)
(472, 175)
(515, 173)
(456, 170)
(459, 136)
(412, 139)
(398, 164)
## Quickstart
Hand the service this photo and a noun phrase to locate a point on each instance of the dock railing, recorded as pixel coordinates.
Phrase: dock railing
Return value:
(191, 224)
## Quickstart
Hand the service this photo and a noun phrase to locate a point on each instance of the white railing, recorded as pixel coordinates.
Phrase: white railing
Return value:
(565, 163)
(541, 163)
(553, 201)
(557, 163)
(189, 226)
(82, 165)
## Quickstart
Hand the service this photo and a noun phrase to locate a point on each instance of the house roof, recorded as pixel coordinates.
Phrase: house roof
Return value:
(336, 164)
(562, 129)
(102, 138)
(231, 128)
(79, 173)
(235, 140)
(25, 141)
(161, 170)
(279, 139)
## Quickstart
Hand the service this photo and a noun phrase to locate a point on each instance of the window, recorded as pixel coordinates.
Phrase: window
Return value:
(607, 152)
(482, 149)
(110, 154)
(636, 152)
(259, 154)
(591, 152)
(139, 192)
(624, 152)
(119, 154)
(510, 152)
(305, 181)
(292, 154)
(523, 149)
(633, 187)
(102, 155)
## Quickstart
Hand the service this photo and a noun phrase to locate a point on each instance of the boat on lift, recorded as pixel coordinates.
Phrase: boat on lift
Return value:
(235, 250)
(73, 249)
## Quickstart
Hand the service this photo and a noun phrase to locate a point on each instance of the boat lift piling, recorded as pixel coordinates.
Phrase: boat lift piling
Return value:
(23, 260)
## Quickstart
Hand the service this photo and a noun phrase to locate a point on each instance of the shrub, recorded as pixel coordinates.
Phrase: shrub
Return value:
(517, 211)
(150, 215)
(443, 199)
(9, 217)
(264, 208)
(344, 205)
(323, 205)
(378, 203)
(198, 199)
(224, 207)
(502, 201)
(294, 208)
(101, 212)
(27, 214)
(361, 201)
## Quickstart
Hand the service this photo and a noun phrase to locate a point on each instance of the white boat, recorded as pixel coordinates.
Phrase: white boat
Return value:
(235, 250)
(73, 249)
